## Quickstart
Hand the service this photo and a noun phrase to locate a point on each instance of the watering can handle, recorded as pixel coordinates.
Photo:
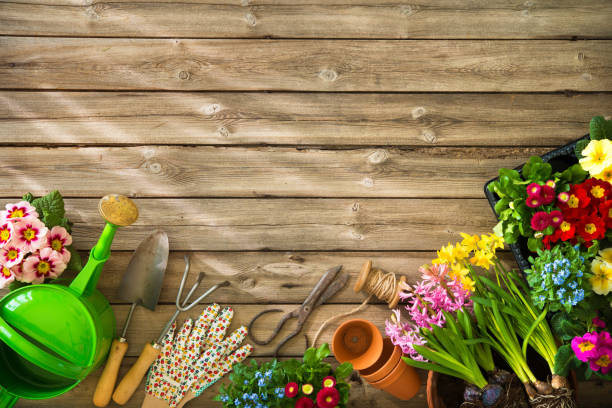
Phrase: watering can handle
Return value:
(38, 356)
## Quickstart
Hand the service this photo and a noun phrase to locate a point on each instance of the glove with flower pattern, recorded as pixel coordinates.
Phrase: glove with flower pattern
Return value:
(185, 359)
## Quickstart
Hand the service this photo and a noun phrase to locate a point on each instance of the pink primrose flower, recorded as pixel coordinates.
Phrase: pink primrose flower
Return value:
(43, 264)
(11, 255)
(30, 234)
(19, 211)
(585, 347)
(6, 276)
(58, 239)
(6, 233)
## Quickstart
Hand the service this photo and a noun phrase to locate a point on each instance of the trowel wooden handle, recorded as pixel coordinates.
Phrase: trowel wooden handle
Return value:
(131, 381)
(106, 383)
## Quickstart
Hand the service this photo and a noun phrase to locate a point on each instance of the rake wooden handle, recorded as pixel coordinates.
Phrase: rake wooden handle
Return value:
(131, 381)
(106, 383)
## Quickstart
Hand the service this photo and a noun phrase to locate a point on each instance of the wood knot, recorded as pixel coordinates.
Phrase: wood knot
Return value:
(248, 283)
(155, 168)
(379, 156)
(211, 109)
(250, 19)
(525, 13)
(296, 258)
(328, 75)
(408, 10)
(587, 77)
(223, 131)
(184, 75)
(580, 56)
(244, 3)
(429, 136)
(149, 153)
(368, 182)
(418, 112)
(95, 10)
(355, 207)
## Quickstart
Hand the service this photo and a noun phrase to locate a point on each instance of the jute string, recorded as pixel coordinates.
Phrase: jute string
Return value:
(379, 284)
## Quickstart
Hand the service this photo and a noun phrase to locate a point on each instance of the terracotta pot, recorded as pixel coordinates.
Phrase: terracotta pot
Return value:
(390, 357)
(359, 342)
(434, 400)
(403, 382)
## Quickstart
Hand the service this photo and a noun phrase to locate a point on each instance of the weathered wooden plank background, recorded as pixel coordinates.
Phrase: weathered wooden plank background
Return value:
(273, 139)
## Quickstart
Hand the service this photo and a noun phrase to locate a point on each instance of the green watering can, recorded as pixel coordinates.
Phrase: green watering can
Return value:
(53, 335)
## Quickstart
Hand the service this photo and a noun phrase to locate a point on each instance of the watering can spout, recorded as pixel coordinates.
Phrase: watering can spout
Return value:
(7, 400)
(117, 211)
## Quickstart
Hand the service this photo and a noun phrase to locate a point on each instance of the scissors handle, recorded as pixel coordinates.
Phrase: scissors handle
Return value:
(278, 328)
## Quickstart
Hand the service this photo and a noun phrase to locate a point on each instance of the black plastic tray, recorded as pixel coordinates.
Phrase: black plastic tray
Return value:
(560, 159)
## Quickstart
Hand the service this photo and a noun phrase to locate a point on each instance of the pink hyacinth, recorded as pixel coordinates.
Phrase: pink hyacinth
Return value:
(19, 211)
(58, 239)
(434, 273)
(30, 234)
(43, 264)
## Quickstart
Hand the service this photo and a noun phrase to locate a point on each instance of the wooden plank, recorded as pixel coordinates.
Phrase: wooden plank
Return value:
(161, 171)
(268, 277)
(291, 224)
(361, 394)
(320, 19)
(305, 65)
(297, 118)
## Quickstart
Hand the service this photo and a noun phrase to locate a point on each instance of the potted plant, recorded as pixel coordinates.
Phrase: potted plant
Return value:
(289, 383)
(35, 241)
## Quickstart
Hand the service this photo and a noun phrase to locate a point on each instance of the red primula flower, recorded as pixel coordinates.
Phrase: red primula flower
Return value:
(547, 194)
(577, 201)
(291, 390)
(304, 402)
(566, 231)
(597, 190)
(591, 227)
(328, 398)
(605, 209)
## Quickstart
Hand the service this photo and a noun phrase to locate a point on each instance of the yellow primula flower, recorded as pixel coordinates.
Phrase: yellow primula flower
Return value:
(470, 241)
(597, 156)
(602, 277)
(482, 258)
(605, 175)
(445, 255)
(460, 252)
(606, 255)
(468, 283)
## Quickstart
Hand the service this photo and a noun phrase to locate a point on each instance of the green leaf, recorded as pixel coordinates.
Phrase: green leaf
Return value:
(534, 244)
(343, 370)
(50, 208)
(574, 174)
(28, 197)
(563, 360)
(323, 351)
(431, 367)
(75, 263)
(599, 128)
(310, 356)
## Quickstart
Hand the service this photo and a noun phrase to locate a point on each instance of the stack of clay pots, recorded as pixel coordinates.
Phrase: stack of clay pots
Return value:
(378, 361)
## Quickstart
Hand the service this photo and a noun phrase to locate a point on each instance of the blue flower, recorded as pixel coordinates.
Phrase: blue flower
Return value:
(572, 285)
(560, 292)
(224, 398)
(237, 402)
(246, 382)
(280, 392)
(261, 382)
(579, 273)
(578, 296)
(254, 397)
(269, 374)
(264, 397)
(246, 396)
(248, 406)
(258, 375)
(581, 258)
(541, 298)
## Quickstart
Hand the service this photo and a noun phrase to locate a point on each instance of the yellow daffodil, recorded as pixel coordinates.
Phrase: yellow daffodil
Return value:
(490, 242)
(445, 255)
(470, 241)
(482, 258)
(460, 252)
(597, 156)
(602, 277)
(468, 283)
(458, 270)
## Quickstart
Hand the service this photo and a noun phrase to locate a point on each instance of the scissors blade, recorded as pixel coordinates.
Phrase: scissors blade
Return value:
(325, 281)
(334, 288)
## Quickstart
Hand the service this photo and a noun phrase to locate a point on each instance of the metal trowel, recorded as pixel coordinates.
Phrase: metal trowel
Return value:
(140, 285)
